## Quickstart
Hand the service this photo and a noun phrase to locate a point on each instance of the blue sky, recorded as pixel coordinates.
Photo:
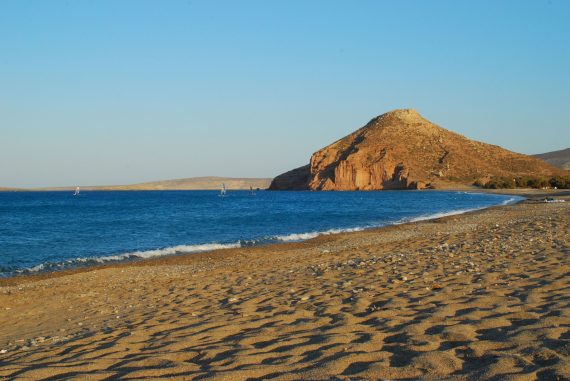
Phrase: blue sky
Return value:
(112, 92)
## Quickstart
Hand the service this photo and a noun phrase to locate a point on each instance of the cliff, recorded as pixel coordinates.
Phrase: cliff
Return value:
(403, 150)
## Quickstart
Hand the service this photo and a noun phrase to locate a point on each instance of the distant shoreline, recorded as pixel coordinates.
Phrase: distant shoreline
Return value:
(191, 183)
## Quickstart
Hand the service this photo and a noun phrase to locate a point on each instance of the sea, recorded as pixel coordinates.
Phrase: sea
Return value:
(50, 231)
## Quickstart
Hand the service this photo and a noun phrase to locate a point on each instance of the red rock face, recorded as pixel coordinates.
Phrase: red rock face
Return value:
(355, 175)
(353, 163)
(402, 150)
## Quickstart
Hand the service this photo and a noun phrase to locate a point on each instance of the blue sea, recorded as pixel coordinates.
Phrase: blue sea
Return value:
(46, 231)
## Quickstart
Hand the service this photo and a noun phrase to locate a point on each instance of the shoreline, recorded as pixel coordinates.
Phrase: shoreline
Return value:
(29, 274)
(480, 295)
(39, 275)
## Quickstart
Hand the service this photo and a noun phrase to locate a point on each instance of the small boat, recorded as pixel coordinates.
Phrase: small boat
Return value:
(251, 191)
(76, 192)
(223, 191)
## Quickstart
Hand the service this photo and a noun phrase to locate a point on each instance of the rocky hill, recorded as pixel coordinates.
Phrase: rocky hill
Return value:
(403, 150)
(560, 159)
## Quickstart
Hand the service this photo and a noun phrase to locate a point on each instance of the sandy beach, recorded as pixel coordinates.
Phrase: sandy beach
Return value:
(479, 296)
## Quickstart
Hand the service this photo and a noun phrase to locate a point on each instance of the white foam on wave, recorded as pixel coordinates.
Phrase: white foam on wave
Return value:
(295, 237)
(437, 215)
(166, 251)
(432, 216)
(512, 200)
(181, 249)
(35, 269)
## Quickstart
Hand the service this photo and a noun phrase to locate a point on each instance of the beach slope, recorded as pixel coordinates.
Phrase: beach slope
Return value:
(479, 296)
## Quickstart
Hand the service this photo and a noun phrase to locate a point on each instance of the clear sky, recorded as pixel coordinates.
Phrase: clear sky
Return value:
(114, 92)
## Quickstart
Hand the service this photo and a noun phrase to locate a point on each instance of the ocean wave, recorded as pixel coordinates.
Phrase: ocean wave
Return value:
(512, 200)
(180, 249)
(296, 237)
(142, 254)
(189, 249)
(169, 251)
(509, 201)
(437, 215)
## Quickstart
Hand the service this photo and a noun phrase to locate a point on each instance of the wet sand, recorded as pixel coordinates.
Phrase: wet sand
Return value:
(479, 296)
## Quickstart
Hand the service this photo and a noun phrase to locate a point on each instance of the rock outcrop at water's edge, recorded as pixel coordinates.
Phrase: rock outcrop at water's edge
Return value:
(295, 179)
(402, 150)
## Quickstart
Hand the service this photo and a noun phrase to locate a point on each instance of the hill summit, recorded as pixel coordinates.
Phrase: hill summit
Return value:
(402, 150)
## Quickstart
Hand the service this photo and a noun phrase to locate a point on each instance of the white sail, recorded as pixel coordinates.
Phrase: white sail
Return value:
(76, 192)
(223, 191)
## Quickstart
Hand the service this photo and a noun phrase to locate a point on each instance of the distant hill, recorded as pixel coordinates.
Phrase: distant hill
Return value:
(560, 159)
(402, 150)
(198, 183)
(193, 183)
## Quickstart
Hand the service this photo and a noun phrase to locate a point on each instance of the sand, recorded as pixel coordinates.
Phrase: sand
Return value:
(480, 296)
